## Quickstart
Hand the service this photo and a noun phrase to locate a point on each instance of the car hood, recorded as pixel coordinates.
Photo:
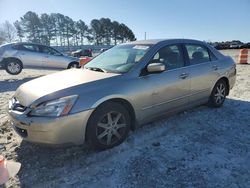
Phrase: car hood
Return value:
(30, 91)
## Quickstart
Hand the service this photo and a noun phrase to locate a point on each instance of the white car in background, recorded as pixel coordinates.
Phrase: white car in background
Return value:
(235, 46)
(16, 56)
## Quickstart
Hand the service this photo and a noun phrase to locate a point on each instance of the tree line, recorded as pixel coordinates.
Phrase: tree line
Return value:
(60, 30)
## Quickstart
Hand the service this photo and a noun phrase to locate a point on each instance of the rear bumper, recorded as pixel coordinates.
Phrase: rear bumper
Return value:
(56, 131)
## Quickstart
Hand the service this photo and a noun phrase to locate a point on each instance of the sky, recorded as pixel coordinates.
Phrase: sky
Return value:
(210, 20)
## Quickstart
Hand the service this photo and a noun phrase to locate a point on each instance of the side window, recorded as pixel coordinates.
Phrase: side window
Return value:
(48, 50)
(197, 54)
(212, 56)
(44, 49)
(29, 47)
(16, 47)
(54, 52)
(171, 56)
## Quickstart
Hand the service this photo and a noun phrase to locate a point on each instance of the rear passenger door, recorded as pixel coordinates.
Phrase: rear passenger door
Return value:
(29, 55)
(202, 70)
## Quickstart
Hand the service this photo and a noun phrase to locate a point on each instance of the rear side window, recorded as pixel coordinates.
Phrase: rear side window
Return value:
(197, 54)
(28, 47)
(212, 56)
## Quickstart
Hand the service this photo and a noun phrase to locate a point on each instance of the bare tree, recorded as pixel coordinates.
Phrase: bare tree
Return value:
(2, 36)
(8, 31)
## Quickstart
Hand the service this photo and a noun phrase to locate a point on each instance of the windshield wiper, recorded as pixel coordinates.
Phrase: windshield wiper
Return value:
(96, 69)
(103, 70)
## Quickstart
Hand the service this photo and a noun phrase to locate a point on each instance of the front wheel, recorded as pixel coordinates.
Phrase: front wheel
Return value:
(13, 67)
(108, 126)
(73, 65)
(218, 94)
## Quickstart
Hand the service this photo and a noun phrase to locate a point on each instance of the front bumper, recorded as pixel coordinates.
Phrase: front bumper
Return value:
(62, 130)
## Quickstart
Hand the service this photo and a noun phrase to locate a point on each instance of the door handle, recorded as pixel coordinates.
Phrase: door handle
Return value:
(215, 67)
(184, 75)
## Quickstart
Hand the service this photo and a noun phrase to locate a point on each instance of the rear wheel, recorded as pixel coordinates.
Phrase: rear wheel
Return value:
(13, 66)
(218, 94)
(108, 126)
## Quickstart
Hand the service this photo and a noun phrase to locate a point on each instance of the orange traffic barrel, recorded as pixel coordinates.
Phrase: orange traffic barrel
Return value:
(84, 60)
(243, 56)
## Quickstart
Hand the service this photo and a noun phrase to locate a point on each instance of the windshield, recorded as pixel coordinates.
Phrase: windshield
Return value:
(119, 59)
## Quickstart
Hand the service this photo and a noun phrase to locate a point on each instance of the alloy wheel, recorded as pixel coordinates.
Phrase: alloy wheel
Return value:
(14, 67)
(111, 128)
(220, 93)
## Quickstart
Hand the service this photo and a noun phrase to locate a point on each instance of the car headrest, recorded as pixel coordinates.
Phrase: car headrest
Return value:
(164, 53)
(197, 55)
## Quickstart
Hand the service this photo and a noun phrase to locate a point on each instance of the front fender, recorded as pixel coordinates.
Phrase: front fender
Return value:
(110, 97)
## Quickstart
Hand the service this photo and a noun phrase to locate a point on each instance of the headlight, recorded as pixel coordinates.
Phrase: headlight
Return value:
(55, 108)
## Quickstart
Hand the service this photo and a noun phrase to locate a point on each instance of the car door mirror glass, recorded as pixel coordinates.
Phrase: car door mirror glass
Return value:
(156, 67)
(157, 61)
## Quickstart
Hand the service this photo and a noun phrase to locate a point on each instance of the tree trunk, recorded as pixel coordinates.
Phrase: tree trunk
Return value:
(81, 40)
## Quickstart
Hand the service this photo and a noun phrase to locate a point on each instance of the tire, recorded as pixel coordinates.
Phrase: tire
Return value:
(13, 66)
(73, 65)
(218, 94)
(108, 126)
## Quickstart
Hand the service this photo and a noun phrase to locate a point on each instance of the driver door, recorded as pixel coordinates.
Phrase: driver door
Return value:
(53, 58)
(170, 88)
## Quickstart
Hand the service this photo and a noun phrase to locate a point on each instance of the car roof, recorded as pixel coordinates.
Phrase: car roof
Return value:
(172, 41)
(156, 41)
(18, 43)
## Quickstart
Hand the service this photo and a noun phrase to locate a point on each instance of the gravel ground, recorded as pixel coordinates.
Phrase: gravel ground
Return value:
(202, 147)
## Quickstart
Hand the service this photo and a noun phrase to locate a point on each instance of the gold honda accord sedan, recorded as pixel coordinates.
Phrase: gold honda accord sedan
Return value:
(122, 88)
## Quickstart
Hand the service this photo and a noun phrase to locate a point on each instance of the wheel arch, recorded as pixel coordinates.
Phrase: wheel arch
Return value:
(124, 102)
(225, 79)
(72, 62)
(5, 60)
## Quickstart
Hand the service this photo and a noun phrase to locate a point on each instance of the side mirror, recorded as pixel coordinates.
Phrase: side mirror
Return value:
(156, 67)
